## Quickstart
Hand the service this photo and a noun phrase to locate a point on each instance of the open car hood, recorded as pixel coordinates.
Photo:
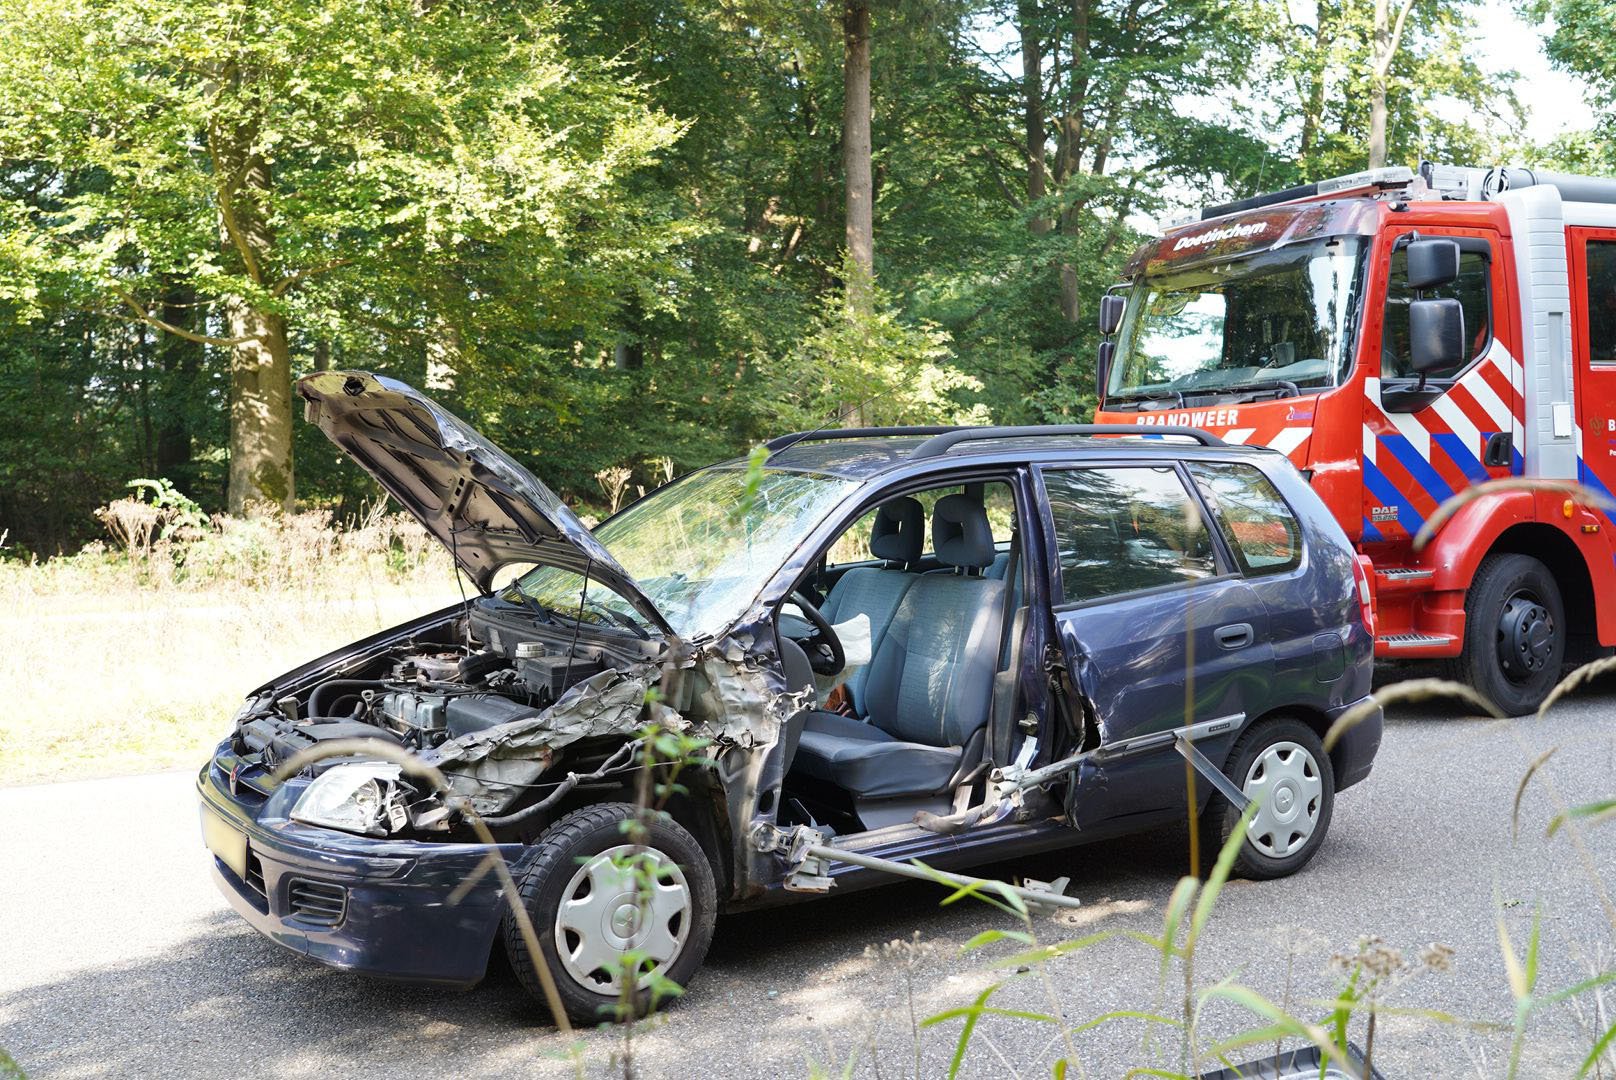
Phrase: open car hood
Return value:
(480, 504)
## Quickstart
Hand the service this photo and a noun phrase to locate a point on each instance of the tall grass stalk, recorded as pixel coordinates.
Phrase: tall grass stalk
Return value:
(136, 659)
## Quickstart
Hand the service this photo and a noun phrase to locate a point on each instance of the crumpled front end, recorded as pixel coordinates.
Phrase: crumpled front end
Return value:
(512, 722)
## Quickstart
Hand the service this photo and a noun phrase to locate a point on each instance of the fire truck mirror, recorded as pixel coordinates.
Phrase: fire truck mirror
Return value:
(1432, 263)
(1102, 369)
(1436, 334)
(1111, 306)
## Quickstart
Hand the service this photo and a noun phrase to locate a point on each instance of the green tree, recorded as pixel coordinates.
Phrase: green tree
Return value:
(1583, 44)
(370, 174)
(1369, 82)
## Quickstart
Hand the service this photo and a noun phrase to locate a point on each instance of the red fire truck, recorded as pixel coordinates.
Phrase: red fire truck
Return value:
(1404, 336)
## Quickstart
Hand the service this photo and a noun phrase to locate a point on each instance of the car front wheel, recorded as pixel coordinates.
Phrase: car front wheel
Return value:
(601, 906)
(1280, 764)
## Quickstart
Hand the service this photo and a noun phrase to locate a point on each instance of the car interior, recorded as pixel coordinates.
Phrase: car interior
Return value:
(935, 576)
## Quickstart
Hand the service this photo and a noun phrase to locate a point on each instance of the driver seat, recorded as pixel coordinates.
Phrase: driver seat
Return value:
(897, 537)
(931, 680)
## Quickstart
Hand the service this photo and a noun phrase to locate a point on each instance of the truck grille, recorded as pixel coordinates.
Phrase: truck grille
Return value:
(316, 902)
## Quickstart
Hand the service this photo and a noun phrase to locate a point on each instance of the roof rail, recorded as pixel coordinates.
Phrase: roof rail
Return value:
(1391, 176)
(942, 443)
(781, 442)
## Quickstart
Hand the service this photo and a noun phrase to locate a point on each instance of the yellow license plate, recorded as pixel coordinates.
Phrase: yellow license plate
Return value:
(228, 843)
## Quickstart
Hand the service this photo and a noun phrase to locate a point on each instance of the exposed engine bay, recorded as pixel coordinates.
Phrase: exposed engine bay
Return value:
(515, 715)
(428, 694)
(472, 679)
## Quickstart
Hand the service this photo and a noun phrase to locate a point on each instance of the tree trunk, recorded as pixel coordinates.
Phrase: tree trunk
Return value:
(1032, 94)
(443, 351)
(1318, 69)
(856, 152)
(260, 410)
(180, 361)
(1387, 37)
(1069, 154)
(261, 364)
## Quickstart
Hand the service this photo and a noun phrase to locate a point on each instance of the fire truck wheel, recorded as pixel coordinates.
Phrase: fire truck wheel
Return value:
(1515, 633)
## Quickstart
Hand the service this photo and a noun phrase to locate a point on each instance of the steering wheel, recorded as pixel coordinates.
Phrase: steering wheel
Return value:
(824, 648)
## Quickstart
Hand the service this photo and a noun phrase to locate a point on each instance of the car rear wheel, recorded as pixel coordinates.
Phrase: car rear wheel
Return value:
(595, 900)
(1515, 633)
(1281, 765)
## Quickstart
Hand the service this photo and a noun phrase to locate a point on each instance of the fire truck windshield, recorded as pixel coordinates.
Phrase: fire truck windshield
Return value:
(1272, 322)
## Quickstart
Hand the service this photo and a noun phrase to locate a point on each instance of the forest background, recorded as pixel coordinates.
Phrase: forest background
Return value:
(626, 238)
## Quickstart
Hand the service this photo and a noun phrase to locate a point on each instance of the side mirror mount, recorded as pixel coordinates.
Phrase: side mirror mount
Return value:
(1432, 263)
(1102, 369)
(1436, 334)
(1111, 306)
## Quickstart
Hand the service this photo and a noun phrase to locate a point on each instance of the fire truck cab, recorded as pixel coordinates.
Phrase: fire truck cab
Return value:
(1404, 337)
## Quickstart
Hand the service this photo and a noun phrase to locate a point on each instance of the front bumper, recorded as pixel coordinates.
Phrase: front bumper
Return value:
(381, 907)
(1354, 753)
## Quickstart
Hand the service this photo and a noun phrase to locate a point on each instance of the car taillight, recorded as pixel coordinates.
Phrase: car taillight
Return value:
(1362, 570)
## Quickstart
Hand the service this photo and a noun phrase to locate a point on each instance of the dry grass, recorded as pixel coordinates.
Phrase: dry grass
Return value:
(125, 663)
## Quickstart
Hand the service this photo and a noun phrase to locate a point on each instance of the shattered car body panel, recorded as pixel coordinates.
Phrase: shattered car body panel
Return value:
(532, 711)
(487, 767)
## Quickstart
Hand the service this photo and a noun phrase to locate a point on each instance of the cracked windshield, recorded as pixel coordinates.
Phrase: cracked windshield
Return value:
(1278, 321)
(700, 549)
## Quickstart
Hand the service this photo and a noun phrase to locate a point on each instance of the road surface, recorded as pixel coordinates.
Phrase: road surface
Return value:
(118, 958)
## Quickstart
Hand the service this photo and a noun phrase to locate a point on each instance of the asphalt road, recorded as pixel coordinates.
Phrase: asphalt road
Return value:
(118, 958)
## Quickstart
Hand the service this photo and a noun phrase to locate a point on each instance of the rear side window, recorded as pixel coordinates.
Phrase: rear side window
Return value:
(1602, 301)
(1473, 290)
(1253, 517)
(1121, 530)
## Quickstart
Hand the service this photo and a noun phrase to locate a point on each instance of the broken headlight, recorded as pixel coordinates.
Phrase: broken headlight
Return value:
(363, 797)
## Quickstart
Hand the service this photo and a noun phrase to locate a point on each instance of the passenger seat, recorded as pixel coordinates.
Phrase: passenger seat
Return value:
(931, 681)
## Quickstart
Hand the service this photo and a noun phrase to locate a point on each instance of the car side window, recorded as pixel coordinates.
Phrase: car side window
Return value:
(1124, 529)
(853, 546)
(1473, 290)
(1253, 517)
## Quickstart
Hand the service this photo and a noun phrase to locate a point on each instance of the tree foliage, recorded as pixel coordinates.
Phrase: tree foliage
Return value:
(609, 232)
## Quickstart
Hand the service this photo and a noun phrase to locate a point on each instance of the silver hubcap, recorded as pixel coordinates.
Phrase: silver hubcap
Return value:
(617, 902)
(1284, 781)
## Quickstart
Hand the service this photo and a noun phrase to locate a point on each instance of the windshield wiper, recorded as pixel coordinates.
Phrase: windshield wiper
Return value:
(1257, 386)
(615, 616)
(624, 621)
(531, 604)
(1175, 396)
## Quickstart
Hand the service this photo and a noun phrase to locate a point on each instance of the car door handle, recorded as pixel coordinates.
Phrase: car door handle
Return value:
(1235, 635)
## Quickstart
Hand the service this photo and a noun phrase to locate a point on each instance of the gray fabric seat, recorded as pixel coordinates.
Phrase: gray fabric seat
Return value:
(898, 536)
(931, 680)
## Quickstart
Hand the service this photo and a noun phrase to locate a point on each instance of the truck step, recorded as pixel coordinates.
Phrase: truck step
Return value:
(1406, 642)
(1402, 579)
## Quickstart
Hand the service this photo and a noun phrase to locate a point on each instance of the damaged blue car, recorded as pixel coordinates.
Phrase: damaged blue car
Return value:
(944, 645)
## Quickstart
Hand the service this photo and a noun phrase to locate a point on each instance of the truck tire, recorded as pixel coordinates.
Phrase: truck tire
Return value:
(583, 902)
(1282, 762)
(1515, 633)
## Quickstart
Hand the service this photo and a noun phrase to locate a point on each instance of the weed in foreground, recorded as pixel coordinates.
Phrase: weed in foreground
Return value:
(1374, 976)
